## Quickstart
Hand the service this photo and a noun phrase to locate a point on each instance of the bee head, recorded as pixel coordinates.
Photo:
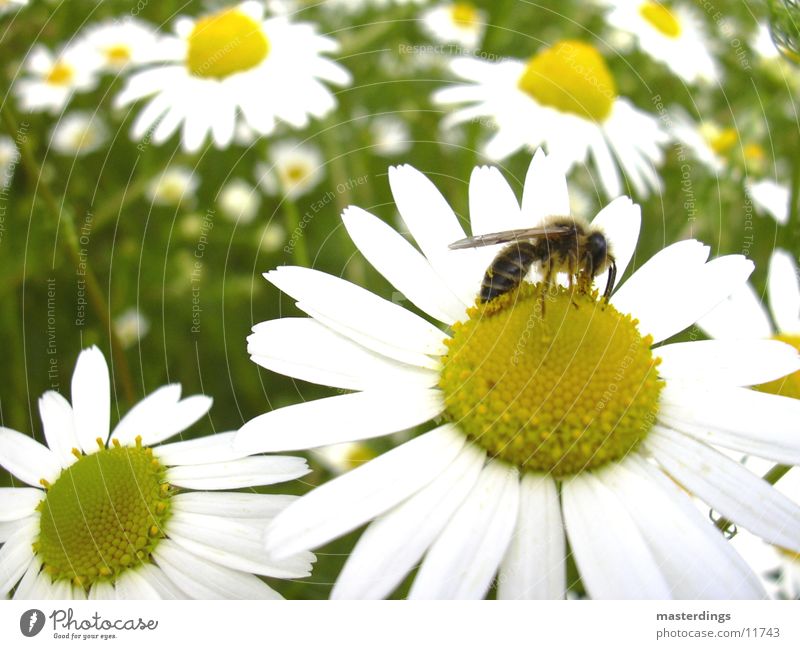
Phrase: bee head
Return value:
(597, 251)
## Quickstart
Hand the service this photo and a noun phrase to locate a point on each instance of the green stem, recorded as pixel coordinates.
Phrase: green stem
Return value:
(296, 232)
(119, 361)
(772, 476)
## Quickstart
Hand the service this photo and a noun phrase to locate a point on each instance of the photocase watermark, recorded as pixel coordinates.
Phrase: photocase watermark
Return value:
(206, 225)
(65, 625)
(727, 29)
(52, 347)
(8, 175)
(84, 238)
(748, 238)
(448, 49)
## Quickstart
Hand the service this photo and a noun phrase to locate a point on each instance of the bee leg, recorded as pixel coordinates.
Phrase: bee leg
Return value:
(548, 284)
(612, 276)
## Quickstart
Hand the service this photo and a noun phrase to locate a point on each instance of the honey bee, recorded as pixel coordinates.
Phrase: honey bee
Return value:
(561, 244)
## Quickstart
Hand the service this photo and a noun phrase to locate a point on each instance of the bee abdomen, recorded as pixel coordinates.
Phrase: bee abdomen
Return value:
(507, 270)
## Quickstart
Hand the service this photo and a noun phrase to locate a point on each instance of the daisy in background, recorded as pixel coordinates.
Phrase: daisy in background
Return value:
(131, 326)
(294, 168)
(770, 197)
(239, 201)
(52, 78)
(459, 22)
(78, 133)
(9, 6)
(354, 6)
(122, 43)
(576, 425)
(175, 186)
(390, 136)
(564, 98)
(230, 65)
(9, 158)
(128, 516)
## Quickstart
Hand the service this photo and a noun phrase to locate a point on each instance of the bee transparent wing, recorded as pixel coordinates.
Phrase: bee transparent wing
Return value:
(508, 236)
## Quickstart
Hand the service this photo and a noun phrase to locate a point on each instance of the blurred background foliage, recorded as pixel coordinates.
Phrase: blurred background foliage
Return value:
(143, 254)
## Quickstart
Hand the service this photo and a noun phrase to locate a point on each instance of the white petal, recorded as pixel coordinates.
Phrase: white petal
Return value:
(493, 207)
(343, 418)
(201, 579)
(16, 503)
(133, 586)
(728, 487)
(59, 427)
(16, 555)
(233, 504)
(91, 399)
(535, 566)
(696, 559)
(545, 192)
(159, 581)
(613, 558)
(731, 362)
(306, 349)
(753, 422)
(463, 561)
(102, 590)
(31, 585)
(394, 543)
(403, 266)
(203, 450)
(739, 316)
(621, 221)
(245, 472)
(26, 458)
(354, 498)
(358, 309)
(784, 291)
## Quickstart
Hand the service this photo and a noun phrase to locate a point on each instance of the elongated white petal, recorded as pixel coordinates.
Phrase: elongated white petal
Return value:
(545, 192)
(621, 221)
(727, 362)
(739, 316)
(16, 503)
(133, 586)
(728, 487)
(29, 586)
(784, 291)
(493, 207)
(753, 422)
(91, 399)
(354, 498)
(696, 559)
(26, 458)
(463, 561)
(16, 555)
(403, 266)
(343, 418)
(358, 309)
(232, 504)
(613, 558)
(159, 581)
(394, 543)
(306, 349)
(102, 590)
(59, 426)
(203, 450)
(201, 579)
(535, 565)
(245, 472)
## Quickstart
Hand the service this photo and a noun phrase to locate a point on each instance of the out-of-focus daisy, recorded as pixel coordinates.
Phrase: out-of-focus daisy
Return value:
(669, 32)
(174, 186)
(565, 98)
(542, 426)
(770, 197)
(121, 43)
(340, 458)
(273, 237)
(9, 157)
(232, 64)
(53, 78)
(131, 326)
(127, 517)
(390, 135)
(239, 201)
(457, 22)
(7, 6)
(293, 169)
(362, 5)
(79, 133)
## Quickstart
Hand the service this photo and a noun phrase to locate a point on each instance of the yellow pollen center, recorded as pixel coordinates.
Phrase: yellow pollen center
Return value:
(225, 43)
(570, 390)
(464, 14)
(754, 152)
(118, 54)
(572, 77)
(786, 386)
(295, 174)
(104, 514)
(60, 74)
(661, 18)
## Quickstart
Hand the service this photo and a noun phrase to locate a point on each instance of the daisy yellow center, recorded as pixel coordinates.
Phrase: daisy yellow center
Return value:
(787, 386)
(464, 14)
(661, 18)
(296, 173)
(572, 77)
(754, 152)
(722, 141)
(60, 74)
(118, 54)
(570, 390)
(104, 514)
(225, 43)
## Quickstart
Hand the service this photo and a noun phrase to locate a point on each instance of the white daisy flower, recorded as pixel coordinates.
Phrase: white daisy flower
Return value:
(131, 326)
(458, 22)
(565, 98)
(591, 451)
(9, 158)
(362, 5)
(390, 136)
(129, 517)
(770, 197)
(231, 63)
(79, 133)
(239, 201)
(669, 32)
(54, 78)
(174, 186)
(7, 6)
(294, 169)
(273, 237)
(121, 43)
